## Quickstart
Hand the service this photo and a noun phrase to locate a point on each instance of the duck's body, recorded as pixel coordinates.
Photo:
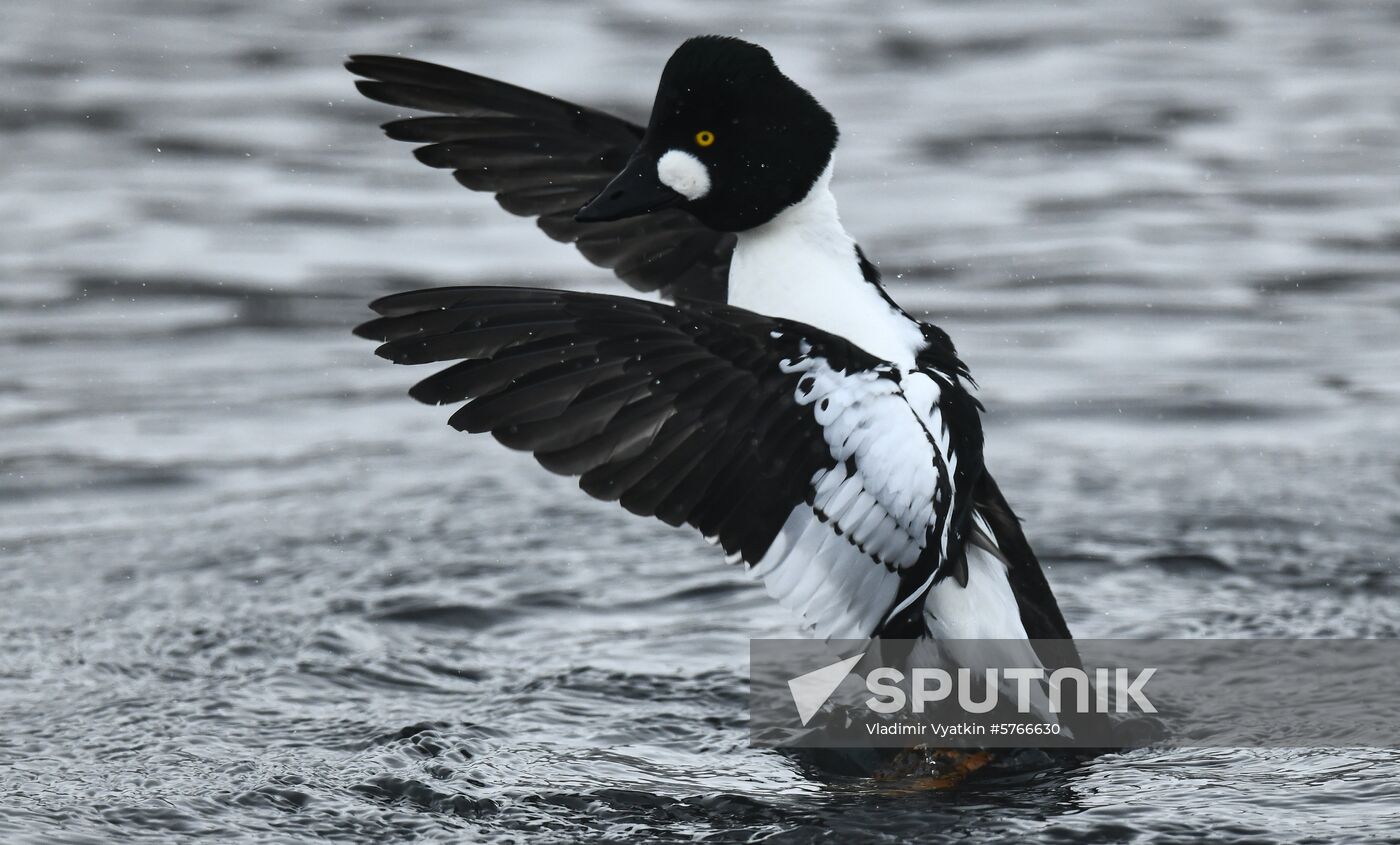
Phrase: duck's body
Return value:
(803, 265)
(785, 406)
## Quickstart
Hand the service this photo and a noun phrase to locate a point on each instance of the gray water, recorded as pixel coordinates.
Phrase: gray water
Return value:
(251, 591)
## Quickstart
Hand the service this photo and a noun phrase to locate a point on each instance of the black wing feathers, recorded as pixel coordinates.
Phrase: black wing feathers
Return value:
(680, 412)
(544, 157)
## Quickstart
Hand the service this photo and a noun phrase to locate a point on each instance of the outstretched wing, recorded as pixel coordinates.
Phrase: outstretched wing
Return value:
(543, 157)
(831, 473)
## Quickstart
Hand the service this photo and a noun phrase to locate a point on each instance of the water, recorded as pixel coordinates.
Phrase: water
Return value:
(251, 591)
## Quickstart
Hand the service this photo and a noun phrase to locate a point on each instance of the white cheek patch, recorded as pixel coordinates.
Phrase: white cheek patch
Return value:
(684, 173)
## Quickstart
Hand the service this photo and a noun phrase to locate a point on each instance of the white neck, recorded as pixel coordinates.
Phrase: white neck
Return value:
(802, 265)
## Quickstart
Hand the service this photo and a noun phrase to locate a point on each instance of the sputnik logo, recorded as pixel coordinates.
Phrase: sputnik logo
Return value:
(810, 691)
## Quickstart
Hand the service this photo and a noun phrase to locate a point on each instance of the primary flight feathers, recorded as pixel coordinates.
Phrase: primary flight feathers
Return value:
(543, 157)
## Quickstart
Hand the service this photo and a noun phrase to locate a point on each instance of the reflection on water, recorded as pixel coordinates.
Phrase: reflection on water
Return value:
(249, 589)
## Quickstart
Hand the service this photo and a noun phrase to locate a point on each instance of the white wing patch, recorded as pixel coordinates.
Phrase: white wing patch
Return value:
(838, 559)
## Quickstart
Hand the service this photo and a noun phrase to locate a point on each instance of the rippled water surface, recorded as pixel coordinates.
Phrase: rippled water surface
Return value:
(251, 591)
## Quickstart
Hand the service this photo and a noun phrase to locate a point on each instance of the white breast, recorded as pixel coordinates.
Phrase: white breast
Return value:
(802, 266)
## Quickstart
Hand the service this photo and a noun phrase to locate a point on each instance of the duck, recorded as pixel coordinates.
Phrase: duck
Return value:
(769, 393)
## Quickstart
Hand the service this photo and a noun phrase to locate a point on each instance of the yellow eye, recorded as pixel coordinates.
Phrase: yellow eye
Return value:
(704, 137)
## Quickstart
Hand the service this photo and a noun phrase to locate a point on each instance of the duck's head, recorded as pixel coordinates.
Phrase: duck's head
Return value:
(731, 139)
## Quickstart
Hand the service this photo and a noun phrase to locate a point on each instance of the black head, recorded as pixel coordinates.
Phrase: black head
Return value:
(731, 139)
